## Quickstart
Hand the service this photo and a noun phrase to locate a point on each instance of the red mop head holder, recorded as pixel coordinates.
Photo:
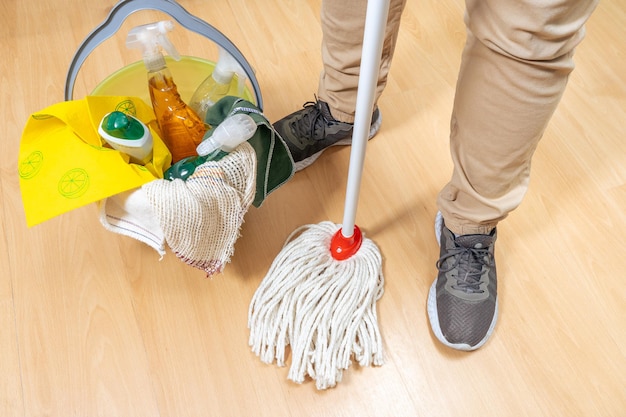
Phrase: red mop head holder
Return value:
(342, 247)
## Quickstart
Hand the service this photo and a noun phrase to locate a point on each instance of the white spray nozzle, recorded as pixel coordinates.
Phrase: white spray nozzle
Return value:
(150, 39)
(226, 67)
(229, 134)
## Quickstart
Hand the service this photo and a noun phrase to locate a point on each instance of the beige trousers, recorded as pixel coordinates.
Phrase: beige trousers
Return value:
(515, 66)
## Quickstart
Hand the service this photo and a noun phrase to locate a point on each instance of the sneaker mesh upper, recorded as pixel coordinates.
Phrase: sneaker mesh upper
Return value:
(466, 288)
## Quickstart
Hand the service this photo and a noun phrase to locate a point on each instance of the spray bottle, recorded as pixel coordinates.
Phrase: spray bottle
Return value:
(218, 142)
(180, 127)
(217, 84)
(229, 134)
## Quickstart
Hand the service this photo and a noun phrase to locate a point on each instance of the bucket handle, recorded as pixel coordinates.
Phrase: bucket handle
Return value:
(125, 8)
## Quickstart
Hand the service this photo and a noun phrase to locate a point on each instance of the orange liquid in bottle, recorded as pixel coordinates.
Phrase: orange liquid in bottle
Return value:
(181, 128)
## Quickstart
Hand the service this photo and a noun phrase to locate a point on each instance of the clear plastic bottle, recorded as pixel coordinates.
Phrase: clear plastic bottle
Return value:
(216, 85)
(181, 128)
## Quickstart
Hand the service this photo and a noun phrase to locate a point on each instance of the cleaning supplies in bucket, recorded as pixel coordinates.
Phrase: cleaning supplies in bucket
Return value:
(180, 127)
(199, 218)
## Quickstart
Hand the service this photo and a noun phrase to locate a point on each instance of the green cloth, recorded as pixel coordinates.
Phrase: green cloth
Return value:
(275, 165)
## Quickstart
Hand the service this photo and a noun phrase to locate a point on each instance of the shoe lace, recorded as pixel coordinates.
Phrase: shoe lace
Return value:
(469, 263)
(310, 121)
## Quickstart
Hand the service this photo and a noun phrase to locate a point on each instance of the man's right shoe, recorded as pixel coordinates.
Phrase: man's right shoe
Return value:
(463, 301)
(310, 131)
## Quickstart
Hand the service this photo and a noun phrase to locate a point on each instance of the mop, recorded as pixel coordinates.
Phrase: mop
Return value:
(319, 295)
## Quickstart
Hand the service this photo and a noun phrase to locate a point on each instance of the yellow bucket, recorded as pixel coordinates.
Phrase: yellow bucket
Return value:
(188, 74)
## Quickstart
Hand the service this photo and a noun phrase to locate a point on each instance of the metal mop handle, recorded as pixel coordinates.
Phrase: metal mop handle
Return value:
(373, 36)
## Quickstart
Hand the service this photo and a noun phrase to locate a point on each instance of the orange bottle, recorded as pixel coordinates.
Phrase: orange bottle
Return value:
(181, 128)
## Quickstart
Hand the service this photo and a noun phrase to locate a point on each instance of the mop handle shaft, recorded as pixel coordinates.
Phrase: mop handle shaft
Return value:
(373, 36)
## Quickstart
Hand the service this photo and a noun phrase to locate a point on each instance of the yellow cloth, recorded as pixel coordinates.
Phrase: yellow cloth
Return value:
(63, 163)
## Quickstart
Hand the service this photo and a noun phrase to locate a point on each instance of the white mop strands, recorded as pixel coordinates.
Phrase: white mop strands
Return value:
(324, 308)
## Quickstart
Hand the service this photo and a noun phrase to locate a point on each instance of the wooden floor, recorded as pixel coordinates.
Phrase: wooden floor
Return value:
(93, 324)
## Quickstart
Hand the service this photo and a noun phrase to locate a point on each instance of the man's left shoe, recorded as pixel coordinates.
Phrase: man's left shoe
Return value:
(462, 301)
(311, 130)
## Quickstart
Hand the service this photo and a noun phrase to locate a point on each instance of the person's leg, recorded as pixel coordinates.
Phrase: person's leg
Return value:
(514, 70)
(329, 120)
(343, 23)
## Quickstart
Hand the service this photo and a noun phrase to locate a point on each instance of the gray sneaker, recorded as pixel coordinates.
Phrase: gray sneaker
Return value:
(310, 131)
(462, 302)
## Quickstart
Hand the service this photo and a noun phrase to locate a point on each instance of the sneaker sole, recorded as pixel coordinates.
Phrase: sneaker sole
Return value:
(433, 316)
(374, 128)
